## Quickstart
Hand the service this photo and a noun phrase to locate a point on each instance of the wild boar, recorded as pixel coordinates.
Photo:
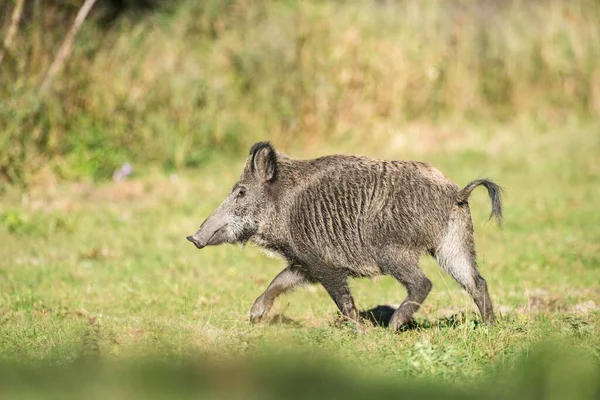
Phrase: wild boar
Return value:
(342, 216)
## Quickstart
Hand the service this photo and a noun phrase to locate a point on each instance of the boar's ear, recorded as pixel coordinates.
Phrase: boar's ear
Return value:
(264, 161)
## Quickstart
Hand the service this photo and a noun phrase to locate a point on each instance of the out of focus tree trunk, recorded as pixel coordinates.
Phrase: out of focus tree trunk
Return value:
(12, 28)
(65, 49)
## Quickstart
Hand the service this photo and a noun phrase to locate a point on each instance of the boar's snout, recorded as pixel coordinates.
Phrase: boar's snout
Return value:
(212, 232)
(192, 239)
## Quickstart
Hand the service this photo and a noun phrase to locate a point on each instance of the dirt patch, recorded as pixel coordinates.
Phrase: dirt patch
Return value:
(585, 307)
(72, 197)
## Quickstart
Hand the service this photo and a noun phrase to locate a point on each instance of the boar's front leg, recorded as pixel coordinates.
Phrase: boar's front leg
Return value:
(285, 281)
(336, 284)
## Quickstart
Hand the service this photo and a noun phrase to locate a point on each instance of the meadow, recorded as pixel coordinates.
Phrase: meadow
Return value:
(105, 269)
(101, 294)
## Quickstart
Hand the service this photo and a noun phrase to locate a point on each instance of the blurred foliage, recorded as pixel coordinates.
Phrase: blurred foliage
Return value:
(544, 374)
(173, 83)
(18, 222)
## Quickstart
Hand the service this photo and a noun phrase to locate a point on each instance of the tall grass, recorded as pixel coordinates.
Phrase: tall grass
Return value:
(178, 86)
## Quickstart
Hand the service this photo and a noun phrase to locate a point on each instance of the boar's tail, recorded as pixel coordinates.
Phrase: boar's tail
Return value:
(493, 190)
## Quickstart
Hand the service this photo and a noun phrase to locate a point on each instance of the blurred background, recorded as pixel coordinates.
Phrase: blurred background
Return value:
(172, 84)
(124, 123)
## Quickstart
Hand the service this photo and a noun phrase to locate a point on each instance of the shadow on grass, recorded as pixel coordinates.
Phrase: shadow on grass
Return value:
(282, 319)
(382, 314)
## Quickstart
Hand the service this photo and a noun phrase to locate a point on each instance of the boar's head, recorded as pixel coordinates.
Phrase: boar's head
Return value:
(240, 215)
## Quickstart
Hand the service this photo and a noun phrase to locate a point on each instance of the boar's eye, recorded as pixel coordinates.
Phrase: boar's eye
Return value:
(241, 192)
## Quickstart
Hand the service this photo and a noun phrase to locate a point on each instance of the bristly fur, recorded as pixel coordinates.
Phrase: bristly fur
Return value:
(259, 145)
(341, 216)
(271, 157)
(494, 192)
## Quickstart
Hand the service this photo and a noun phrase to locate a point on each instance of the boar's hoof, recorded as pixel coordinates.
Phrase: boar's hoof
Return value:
(255, 318)
(258, 311)
(356, 324)
(400, 322)
(359, 328)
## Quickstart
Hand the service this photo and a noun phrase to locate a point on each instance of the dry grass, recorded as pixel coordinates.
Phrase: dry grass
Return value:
(177, 87)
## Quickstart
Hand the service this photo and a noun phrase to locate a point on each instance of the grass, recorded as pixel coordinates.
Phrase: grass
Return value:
(92, 269)
(105, 268)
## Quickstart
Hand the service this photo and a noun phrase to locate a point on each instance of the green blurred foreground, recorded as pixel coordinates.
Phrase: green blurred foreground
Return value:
(544, 374)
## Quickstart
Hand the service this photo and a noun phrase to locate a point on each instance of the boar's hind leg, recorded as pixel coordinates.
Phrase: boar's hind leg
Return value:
(404, 266)
(456, 255)
(286, 280)
(464, 271)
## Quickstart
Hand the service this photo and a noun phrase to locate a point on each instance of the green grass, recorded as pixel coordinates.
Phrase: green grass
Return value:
(91, 268)
(105, 268)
